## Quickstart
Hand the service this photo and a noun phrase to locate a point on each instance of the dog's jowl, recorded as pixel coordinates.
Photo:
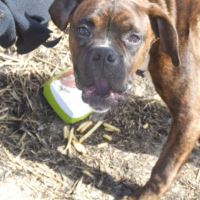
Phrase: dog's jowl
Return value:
(111, 39)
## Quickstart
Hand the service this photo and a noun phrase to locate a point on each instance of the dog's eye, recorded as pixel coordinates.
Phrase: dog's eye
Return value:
(83, 31)
(133, 39)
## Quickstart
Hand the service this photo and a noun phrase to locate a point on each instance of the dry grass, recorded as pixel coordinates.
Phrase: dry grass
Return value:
(34, 163)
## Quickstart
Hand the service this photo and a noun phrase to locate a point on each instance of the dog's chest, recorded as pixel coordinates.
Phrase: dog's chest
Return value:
(144, 68)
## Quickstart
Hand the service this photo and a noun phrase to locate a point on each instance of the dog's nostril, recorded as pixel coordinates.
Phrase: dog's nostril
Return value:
(96, 56)
(111, 58)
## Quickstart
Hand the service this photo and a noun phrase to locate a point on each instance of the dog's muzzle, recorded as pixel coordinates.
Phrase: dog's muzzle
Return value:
(102, 78)
(101, 97)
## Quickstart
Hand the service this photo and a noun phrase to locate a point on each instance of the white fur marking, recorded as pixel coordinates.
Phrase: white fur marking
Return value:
(106, 44)
(144, 67)
(145, 64)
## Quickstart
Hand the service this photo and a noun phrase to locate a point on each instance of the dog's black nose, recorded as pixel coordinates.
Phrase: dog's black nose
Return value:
(104, 54)
(111, 58)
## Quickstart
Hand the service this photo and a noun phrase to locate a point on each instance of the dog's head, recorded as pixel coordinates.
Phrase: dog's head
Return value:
(109, 40)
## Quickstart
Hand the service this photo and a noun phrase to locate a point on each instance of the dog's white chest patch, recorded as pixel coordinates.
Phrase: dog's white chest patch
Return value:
(144, 68)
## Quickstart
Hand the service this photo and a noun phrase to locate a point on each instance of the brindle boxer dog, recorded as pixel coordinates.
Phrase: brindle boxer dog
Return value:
(110, 39)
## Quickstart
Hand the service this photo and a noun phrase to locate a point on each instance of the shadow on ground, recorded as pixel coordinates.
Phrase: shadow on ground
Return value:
(32, 147)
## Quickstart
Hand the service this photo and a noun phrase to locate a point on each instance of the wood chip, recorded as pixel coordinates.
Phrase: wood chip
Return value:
(96, 126)
(105, 144)
(108, 130)
(107, 137)
(87, 125)
(87, 173)
(145, 126)
(81, 126)
(70, 138)
(79, 147)
(66, 132)
(111, 127)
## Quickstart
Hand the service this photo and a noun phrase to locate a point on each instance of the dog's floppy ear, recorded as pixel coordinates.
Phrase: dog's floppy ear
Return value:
(60, 12)
(165, 31)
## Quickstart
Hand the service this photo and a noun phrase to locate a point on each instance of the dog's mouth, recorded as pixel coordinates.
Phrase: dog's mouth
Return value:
(101, 97)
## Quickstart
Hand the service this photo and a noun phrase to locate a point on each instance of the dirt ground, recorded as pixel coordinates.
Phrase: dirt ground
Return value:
(33, 161)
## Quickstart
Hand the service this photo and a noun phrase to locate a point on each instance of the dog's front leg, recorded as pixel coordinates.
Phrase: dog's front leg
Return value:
(185, 131)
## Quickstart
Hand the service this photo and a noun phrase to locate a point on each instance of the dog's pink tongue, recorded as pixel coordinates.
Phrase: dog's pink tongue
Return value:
(102, 86)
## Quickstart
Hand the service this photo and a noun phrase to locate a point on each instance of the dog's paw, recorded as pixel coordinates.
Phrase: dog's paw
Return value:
(141, 194)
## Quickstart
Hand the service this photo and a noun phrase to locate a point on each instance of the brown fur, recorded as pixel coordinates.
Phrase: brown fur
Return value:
(172, 39)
